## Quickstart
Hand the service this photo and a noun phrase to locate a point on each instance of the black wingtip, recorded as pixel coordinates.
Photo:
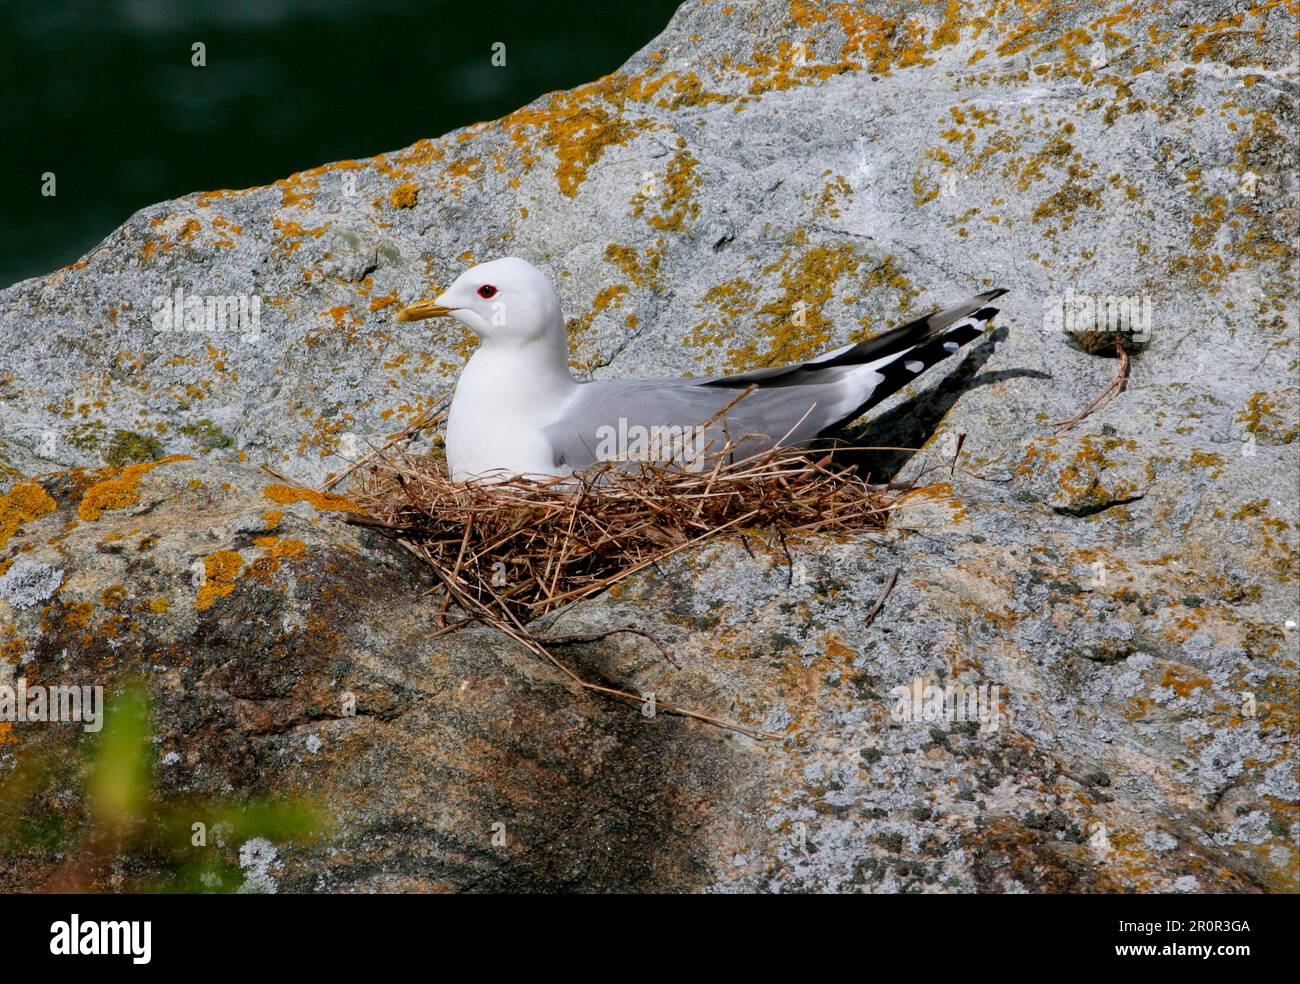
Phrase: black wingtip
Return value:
(988, 295)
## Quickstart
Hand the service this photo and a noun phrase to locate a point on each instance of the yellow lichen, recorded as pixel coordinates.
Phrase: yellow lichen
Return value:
(1261, 417)
(404, 195)
(220, 570)
(675, 199)
(273, 551)
(77, 615)
(289, 548)
(24, 502)
(119, 492)
(795, 326)
(323, 501)
(642, 273)
(607, 296)
(578, 126)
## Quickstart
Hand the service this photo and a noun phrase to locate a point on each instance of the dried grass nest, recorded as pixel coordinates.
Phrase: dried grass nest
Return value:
(507, 553)
(519, 549)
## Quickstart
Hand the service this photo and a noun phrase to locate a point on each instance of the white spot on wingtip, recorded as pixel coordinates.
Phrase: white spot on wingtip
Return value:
(950, 346)
(914, 366)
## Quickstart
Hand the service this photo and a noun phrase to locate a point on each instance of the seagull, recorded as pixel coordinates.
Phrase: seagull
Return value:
(517, 411)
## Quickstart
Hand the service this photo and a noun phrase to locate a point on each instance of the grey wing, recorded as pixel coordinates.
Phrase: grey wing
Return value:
(601, 421)
(787, 404)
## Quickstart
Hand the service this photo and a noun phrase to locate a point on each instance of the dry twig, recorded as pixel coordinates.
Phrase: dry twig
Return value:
(880, 602)
(1113, 389)
(573, 638)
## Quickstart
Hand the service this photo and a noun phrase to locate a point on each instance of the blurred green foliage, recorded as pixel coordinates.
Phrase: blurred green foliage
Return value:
(185, 844)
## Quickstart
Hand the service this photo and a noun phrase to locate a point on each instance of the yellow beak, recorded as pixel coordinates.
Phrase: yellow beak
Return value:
(421, 310)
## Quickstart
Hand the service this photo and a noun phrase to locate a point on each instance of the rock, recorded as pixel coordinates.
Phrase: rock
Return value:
(458, 736)
(761, 182)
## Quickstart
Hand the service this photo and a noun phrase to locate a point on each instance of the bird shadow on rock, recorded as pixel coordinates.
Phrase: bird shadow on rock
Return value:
(912, 423)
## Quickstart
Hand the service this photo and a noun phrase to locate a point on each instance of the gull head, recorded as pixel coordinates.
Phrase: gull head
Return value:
(507, 302)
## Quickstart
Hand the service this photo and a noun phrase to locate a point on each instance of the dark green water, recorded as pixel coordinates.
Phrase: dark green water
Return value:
(103, 94)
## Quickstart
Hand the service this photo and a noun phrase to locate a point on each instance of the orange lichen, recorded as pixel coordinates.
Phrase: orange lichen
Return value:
(119, 492)
(1183, 682)
(686, 89)
(578, 125)
(289, 548)
(1082, 477)
(273, 551)
(676, 199)
(795, 326)
(24, 502)
(297, 189)
(607, 296)
(948, 32)
(291, 233)
(77, 615)
(835, 189)
(641, 273)
(734, 299)
(323, 501)
(785, 68)
(405, 195)
(220, 571)
(159, 605)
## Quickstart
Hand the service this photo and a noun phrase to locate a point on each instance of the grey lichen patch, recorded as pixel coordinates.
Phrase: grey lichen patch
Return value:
(28, 583)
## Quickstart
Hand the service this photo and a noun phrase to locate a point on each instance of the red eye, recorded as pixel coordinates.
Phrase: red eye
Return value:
(486, 291)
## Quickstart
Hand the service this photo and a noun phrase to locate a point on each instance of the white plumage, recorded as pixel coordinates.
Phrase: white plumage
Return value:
(517, 410)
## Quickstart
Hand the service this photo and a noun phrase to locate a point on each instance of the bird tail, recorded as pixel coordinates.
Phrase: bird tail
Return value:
(905, 352)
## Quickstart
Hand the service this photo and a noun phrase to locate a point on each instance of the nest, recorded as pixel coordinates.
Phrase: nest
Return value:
(508, 553)
(519, 549)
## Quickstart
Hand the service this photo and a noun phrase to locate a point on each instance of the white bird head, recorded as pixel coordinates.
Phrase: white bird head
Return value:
(505, 302)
